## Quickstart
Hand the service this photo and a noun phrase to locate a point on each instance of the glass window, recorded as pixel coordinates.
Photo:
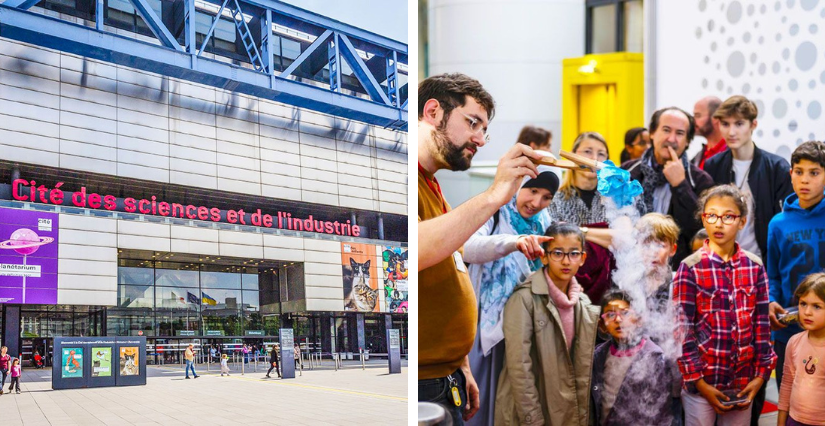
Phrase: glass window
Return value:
(603, 26)
(129, 275)
(121, 322)
(220, 280)
(633, 26)
(291, 48)
(176, 277)
(221, 298)
(170, 323)
(251, 300)
(177, 298)
(135, 296)
(250, 281)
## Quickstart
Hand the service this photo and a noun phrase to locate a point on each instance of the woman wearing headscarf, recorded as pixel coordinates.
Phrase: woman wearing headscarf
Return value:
(501, 254)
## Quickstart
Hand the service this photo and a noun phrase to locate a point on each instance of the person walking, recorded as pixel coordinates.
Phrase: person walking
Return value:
(273, 362)
(5, 361)
(189, 354)
(245, 354)
(298, 361)
(15, 375)
(224, 365)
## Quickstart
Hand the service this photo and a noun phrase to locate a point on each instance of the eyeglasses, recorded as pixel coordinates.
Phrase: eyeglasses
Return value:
(727, 219)
(559, 255)
(477, 126)
(612, 316)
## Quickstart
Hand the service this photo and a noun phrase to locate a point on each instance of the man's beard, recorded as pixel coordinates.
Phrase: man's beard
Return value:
(452, 155)
(706, 129)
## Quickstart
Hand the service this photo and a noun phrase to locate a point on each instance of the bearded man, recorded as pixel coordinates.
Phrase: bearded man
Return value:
(454, 111)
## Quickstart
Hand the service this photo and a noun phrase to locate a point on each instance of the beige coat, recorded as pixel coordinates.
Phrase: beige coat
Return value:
(541, 383)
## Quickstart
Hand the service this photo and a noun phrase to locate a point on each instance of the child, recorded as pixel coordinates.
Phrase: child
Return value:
(224, 365)
(801, 395)
(15, 375)
(795, 240)
(632, 383)
(698, 240)
(722, 294)
(549, 337)
(658, 235)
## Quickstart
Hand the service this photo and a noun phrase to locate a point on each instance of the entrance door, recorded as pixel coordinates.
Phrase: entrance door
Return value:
(597, 113)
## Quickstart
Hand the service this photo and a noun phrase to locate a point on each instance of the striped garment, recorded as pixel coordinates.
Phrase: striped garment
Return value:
(724, 319)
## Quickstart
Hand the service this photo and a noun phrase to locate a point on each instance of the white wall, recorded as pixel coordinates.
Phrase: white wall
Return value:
(769, 51)
(515, 49)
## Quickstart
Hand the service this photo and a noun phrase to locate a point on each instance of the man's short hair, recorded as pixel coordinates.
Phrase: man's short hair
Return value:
(451, 91)
(659, 227)
(654, 121)
(737, 106)
(813, 151)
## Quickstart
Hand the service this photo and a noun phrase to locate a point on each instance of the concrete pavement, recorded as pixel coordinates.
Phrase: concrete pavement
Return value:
(320, 397)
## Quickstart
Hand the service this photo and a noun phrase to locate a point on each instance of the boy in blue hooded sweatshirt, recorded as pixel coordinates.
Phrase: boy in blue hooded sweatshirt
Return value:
(796, 241)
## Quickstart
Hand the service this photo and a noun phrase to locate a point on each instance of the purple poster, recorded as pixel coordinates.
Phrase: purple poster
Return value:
(28, 257)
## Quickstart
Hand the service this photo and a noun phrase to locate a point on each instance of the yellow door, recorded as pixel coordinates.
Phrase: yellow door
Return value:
(602, 93)
(597, 113)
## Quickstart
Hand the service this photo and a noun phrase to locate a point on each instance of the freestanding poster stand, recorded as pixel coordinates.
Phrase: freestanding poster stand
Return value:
(83, 362)
(394, 353)
(287, 353)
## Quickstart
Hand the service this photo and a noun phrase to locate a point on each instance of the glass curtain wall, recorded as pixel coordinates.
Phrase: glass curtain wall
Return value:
(161, 298)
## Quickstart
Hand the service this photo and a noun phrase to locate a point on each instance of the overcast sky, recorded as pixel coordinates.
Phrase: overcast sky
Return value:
(385, 17)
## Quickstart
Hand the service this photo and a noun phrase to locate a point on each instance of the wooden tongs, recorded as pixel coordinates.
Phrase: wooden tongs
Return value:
(581, 161)
(548, 159)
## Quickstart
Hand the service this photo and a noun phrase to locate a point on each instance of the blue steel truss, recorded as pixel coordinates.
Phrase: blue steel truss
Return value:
(254, 21)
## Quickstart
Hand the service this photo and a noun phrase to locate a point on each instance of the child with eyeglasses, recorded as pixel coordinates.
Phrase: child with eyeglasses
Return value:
(721, 292)
(549, 336)
(632, 380)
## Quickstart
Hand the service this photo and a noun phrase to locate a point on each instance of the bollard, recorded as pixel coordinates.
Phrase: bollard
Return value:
(363, 364)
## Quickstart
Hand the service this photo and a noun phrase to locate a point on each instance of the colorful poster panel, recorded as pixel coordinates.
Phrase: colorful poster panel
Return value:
(102, 362)
(72, 363)
(28, 257)
(129, 361)
(360, 287)
(395, 279)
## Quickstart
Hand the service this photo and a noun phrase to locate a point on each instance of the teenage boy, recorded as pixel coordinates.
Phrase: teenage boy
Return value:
(761, 175)
(796, 241)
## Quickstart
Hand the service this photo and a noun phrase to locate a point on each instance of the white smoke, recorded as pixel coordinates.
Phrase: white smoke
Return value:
(635, 274)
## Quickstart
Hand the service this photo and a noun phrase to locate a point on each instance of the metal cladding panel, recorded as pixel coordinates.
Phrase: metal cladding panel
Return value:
(57, 34)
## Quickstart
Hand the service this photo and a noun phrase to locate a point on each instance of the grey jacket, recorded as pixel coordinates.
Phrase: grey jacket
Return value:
(645, 396)
(541, 382)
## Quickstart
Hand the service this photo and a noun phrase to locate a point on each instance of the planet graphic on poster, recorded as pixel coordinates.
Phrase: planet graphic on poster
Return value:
(25, 241)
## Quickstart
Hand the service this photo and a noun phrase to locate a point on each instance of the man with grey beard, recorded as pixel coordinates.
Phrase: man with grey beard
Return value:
(453, 113)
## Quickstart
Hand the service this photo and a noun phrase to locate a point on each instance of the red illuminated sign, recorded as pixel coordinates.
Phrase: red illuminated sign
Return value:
(24, 190)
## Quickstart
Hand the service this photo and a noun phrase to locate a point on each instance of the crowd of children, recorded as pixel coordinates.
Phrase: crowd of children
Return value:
(567, 362)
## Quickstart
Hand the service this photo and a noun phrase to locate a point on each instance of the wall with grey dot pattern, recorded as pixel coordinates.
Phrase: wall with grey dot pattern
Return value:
(767, 50)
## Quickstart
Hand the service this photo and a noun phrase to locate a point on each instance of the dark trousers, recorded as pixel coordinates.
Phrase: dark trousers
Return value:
(4, 373)
(276, 367)
(779, 349)
(15, 384)
(758, 403)
(438, 391)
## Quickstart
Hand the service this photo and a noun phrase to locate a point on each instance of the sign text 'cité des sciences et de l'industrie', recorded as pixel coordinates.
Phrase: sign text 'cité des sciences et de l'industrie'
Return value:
(25, 190)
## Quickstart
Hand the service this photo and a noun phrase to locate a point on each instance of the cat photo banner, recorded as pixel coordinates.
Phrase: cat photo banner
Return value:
(360, 283)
